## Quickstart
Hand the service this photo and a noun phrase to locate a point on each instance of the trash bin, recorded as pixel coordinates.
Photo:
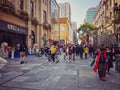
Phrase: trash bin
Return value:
(117, 64)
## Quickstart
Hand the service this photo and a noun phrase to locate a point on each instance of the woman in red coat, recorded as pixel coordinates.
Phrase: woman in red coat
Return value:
(101, 65)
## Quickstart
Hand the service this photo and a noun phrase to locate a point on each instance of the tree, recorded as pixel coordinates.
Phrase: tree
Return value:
(87, 29)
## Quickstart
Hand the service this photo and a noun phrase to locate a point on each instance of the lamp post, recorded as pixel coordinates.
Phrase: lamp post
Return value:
(116, 21)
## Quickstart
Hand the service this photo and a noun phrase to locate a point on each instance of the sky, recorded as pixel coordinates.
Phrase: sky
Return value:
(79, 9)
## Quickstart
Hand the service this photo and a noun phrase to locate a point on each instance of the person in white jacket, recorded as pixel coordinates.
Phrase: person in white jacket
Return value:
(2, 62)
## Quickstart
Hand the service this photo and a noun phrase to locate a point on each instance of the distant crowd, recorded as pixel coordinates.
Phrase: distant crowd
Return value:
(103, 57)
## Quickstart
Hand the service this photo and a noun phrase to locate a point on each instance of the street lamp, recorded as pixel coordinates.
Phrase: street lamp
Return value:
(116, 21)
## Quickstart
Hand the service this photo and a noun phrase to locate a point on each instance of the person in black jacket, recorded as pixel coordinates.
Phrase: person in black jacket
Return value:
(81, 50)
(110, 55)
(22, 53)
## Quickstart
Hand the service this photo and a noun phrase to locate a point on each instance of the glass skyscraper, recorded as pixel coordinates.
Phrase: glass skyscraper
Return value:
(90, 14)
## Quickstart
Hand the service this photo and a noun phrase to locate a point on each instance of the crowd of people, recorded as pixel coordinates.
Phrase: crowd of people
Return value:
(103, 56)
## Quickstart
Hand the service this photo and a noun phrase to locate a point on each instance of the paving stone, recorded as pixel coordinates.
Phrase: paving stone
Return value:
(35, 74)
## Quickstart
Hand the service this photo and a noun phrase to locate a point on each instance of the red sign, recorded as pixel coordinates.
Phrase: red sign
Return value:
(86, 37)
(50, 40)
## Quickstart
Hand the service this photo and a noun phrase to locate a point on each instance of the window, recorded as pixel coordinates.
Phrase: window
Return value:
(110, 15)
(45, 2)
(44, 16)
(110, 3)
(21, 4)
(62, 27)
(31, 8)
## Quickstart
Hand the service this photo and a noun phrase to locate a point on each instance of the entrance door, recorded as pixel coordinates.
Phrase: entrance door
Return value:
(33, 38)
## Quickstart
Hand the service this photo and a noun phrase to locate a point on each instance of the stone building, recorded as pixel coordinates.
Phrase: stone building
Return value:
(104, 20)
(64, 31)
(55, 36)
(25, 21)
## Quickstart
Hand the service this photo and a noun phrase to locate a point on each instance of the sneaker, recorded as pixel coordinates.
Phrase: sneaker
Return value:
(21, 62)
(102, 78)
(57, 61)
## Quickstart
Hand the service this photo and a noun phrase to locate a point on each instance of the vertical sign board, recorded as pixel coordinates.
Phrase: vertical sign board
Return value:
(62, 42)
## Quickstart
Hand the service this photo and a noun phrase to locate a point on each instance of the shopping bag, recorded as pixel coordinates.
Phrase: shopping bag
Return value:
(92, 63)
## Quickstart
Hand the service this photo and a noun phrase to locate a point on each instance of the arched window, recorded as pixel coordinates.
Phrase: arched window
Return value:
(44, 16)
(31, 8)
(21, 4)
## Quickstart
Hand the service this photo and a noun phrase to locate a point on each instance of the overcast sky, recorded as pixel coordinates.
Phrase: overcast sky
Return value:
(79, 8)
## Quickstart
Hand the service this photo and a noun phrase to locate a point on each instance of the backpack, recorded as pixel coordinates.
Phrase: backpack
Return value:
(102, 58)
(53, 50)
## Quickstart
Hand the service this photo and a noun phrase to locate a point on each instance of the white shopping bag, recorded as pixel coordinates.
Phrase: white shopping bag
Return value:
(3, 62)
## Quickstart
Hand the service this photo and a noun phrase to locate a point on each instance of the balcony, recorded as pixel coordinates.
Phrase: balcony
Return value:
(34, 20)
(46, 26)
(7, 6)
(23, 14)
(116, 18)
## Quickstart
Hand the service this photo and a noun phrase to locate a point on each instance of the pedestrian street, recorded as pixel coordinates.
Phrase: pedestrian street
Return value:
(39, 74)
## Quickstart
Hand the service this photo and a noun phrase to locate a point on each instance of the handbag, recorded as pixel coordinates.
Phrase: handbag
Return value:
(92, 63)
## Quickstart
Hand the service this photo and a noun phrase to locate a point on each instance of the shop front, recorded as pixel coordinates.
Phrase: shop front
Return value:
(12, 34)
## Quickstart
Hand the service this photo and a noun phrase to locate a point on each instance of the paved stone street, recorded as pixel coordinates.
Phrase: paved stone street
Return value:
(39, 74)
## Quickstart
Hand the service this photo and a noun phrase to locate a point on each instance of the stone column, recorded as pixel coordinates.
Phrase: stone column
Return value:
(16, 4)
(29, 23)
(38, 36)
(41, 35)
(37, 27)
(41, 22)
(29, 33)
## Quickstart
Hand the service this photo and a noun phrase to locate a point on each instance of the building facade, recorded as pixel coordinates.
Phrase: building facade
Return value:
(104, 20)
(55, 36)
(74, 28)
(64, 31)
(90, 14)
(25, 21)
(65, 10)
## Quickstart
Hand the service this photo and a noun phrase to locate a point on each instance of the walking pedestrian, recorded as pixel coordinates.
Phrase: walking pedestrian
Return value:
(74, 51)
(86, 51)
(53, 51)
(81, 50)
(71, 52)
(22, 53)
(90, 51)
(101, 60)
(64, 52)
(110, 55)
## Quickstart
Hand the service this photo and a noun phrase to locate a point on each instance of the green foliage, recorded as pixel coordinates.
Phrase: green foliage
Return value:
(87, 28)
(81, 36)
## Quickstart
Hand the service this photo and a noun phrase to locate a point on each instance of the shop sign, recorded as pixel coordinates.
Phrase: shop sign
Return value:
(62, 41)
(12, 28)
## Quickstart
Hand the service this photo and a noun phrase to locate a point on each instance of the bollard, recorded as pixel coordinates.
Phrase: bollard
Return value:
(12, 54)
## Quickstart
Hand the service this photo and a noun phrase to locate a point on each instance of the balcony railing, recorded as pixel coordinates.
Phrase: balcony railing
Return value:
(116, 18)
(23, 14)
(7, 6)
(34, 20)
(46, 26)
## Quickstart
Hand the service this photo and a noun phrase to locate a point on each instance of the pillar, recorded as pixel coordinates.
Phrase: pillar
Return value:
(29, 40)
(38, 36)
